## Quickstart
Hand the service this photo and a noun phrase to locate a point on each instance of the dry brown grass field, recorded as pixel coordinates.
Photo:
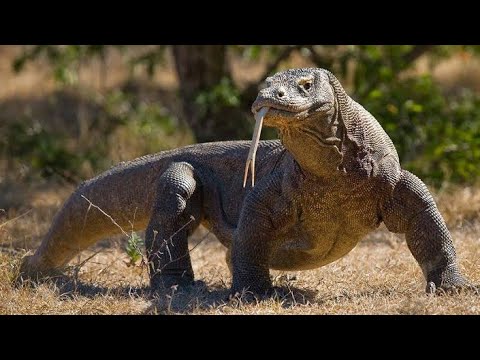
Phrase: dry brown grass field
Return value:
(379, 276)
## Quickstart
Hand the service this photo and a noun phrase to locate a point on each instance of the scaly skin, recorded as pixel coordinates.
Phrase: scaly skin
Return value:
(332, 179)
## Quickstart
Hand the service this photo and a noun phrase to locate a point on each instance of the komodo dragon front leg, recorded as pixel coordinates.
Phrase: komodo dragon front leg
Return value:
(265, 214)
(411, 210)
(177, 211)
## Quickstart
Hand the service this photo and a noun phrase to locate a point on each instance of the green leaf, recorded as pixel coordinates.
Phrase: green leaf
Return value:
(133, 247)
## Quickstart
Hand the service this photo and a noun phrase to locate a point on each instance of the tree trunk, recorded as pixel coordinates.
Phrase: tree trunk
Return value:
(199, 69)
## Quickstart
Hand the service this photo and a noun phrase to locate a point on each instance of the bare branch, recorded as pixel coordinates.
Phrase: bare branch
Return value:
(318, 59)
(70, 179)
(104, 213)
(281, 57)
(416, 52)
(253, 87)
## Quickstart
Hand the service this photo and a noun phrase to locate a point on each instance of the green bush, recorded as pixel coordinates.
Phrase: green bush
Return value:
(40, 150)
(141, 127)
(436, 136)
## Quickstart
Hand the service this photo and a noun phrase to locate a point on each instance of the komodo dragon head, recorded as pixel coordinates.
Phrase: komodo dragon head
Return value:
(304, 105)
(294, 96)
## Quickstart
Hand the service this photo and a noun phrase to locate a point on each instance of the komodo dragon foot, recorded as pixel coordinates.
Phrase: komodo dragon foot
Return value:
(449, 282)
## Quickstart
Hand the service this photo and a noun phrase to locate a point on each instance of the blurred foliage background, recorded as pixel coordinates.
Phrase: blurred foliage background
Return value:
(70, 111)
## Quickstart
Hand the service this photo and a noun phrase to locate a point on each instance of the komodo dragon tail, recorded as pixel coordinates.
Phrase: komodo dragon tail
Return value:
(118, 201)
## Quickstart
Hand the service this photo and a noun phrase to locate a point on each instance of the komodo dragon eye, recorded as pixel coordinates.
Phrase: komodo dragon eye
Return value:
(305, 84)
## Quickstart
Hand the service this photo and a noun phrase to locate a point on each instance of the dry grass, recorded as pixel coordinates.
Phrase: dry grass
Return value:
(378, 277)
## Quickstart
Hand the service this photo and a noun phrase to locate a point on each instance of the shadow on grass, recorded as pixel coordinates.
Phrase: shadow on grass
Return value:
(377, 291)
(198, 297)
(201, 297)
(69, 288)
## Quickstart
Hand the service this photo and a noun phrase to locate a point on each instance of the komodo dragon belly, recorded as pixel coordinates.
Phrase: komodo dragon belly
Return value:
(328, 227)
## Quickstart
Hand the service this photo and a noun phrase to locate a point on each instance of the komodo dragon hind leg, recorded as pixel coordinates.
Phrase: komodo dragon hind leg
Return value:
(177, 211)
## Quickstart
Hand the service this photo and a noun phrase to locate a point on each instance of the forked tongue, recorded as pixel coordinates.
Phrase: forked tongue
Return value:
(253, 147)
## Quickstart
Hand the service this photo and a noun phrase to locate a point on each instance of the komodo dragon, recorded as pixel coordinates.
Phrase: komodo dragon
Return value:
(332, 178)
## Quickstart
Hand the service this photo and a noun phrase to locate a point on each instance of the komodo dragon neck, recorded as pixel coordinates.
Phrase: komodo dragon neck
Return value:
(317, 146)
(335, 143)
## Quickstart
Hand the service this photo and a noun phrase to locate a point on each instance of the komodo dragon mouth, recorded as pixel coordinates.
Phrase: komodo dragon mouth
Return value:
(260, 112)
(291, 111)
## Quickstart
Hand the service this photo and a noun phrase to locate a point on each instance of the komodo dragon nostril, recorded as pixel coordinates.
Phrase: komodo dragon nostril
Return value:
(280, 93)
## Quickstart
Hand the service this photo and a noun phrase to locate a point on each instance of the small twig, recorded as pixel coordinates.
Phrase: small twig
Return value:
(76, 268)
(168, 250)
(15, 218)
(104, 213)
(107, 266)
(132, 223)
(183, 227)
(70, 179)
(87, 259)
(201, 240)
(187, 253)
(91, 204)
